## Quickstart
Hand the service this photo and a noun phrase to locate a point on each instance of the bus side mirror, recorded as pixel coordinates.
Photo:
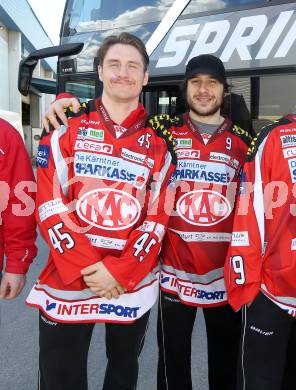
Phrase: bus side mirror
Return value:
(28, 64)
(26, 69)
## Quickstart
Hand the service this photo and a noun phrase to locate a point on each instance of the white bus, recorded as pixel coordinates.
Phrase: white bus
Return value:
(254, 38)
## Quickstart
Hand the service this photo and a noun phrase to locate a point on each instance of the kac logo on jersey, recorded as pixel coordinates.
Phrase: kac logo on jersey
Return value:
(203, 207)
(109, 209)
(43, 156)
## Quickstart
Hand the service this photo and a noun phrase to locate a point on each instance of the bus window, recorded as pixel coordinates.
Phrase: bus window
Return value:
(95, 15)
(123, 13)
(82, 16)
(84, 89)
(276, 96)
(197, 6)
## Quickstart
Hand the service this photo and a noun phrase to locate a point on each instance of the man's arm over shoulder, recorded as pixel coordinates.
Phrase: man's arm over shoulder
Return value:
(56, 115)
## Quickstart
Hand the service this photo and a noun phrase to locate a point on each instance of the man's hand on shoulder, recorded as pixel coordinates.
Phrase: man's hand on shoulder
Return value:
(11, 285)
(56, 110)
(159, 121)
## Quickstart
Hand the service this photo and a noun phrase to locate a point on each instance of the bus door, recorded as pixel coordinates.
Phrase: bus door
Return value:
(85, 86)
(163, 99)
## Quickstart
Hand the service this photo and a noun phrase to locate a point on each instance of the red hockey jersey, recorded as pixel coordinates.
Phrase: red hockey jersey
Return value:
(199, 232)
(101, 197)
(18, 187)
(262, 255)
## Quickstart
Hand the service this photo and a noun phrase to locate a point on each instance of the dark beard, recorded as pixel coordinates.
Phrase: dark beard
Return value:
(211, 112)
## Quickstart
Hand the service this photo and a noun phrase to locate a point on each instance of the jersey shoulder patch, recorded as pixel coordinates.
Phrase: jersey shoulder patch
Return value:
(262, 134)
(165, 121)
(161, 124)
(84, 109)
(241, 133)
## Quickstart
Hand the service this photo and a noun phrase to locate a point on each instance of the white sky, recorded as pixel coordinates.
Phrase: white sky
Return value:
(50, 15)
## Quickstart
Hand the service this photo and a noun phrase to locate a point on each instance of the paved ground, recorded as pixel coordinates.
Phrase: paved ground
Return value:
(19, 351)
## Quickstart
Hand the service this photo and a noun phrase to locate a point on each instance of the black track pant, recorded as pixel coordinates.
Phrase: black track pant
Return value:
(267, 357)
(64, 349)
(175, 324)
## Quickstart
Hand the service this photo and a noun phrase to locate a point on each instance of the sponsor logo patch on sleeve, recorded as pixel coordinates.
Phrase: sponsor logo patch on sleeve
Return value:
(240, 239)
(43, 156)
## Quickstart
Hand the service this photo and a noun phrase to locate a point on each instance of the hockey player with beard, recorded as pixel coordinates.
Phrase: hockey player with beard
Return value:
(210, 153)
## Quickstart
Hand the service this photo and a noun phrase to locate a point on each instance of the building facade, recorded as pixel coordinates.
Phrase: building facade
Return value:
(20, 33)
